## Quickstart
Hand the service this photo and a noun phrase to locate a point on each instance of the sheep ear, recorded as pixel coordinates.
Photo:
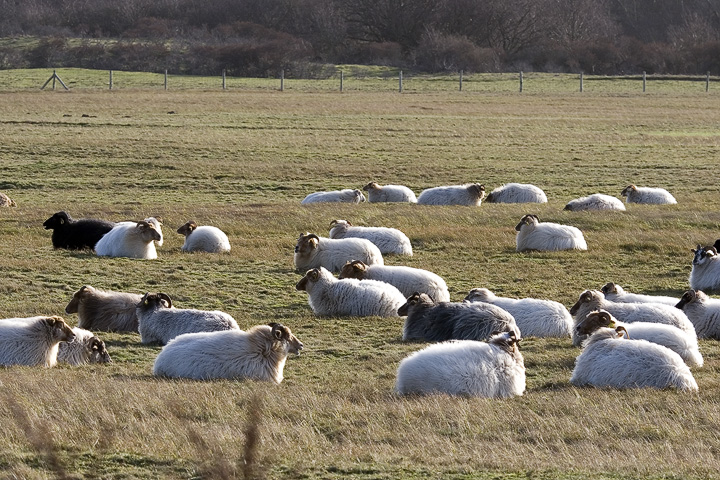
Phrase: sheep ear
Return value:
(62, 221)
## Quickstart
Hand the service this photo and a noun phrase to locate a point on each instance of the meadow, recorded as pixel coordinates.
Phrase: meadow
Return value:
(242, 160)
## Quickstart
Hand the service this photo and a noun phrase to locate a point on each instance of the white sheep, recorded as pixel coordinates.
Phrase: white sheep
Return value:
(592, 300)
(105, 310)
(657, 196)
(608, 360)
(130, 239)
(312, 251)
(83, 349)
(517, 193)
(705, 274)
(388, 240)
(616, 293)
(6, 201)
(470, 194)
(666, 335)
(547, 236)
(160, 322)
(258, 354)
(465, 367)
(596, 201)
(406, 279)
(389, 193)
(203, 238)
(329, 296)
(703, 312)
(344, 196)
(534, 317)
(32, 341)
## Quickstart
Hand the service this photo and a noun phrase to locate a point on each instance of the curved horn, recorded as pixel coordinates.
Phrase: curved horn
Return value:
(619, 329)
(166, 297)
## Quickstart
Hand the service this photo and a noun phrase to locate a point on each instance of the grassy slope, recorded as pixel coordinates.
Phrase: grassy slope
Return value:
(242, 160)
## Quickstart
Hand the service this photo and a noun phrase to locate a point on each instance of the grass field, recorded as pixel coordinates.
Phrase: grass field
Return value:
(243, 160)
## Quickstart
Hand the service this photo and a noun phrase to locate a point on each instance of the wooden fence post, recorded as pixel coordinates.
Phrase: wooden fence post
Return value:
(282, 80)
(165, 81)
(111, 80)
(644, 81)
(581, 82)
(400, 82)
(342, 78)
(707, 82)
(521, 82)
(461, 79)
(224, 85)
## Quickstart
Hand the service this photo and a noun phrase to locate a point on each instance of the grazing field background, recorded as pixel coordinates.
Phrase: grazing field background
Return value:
(242, 161)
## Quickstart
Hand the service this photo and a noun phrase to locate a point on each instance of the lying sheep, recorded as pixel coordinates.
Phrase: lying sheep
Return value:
(703, 312)
(608, 360)
(74, 234)
(329, 296)
(517, 193)
(616, 293)
(6, 201)
(465, 367)
(32, 341)
(666, 335)
(388, 240)
(389, 193)
(546, 236)
(130, 239)
(160, 322)
(597, 201)
(657, 196)
(705, 274)
(344, 196)
(203, 238)
(428, 321)
(470, 194)
(534, 317)
(258, 354)
(105, 310)
(406, 279)
(157, 222)
(312, 251)
(83, 349)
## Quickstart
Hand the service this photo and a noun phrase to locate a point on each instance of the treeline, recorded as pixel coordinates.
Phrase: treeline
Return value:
(260, 37)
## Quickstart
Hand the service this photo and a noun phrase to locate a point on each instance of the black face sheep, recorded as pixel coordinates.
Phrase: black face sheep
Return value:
(335, 196)
(428, 321)
(465, 367)
(83, 349)
(389, 193)
(130, 239)
(406, 279)
(74, 234)
(203, 238)
(258, 354)
(703, 312)
(160, 322)
(595, 202)
(32, 341)
(470, 194)
(6, 201)
(312, 251)
(609, 360)
(705, 274)
(616, 293)
(104, 310)
(657, 196)
(349, 297)
(546, 236)
(388, 240)
(517, 193)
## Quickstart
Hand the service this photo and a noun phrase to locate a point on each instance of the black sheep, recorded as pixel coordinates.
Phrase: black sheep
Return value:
(76, 234)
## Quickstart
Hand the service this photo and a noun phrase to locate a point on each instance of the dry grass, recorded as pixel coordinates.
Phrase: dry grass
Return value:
(242, 162)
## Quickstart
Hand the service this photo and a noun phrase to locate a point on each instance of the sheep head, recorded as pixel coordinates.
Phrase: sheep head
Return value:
(310, 276)
(85, 290)
(155, 300)
(611, 287)
(188, 228)
(59, 330)
(688, 297)
(477, 190)
(480, 295)
(627, 190)
(285, 337)
(702, 254)
(371, 186)
(57, 220)
(529, 219)
(586, 297)
(414, 300)
(593, 321)
(355, 269)
(306, 243)
(148, 231)
(98, 352)
(359, 197)
(508, 341)
(336, 223)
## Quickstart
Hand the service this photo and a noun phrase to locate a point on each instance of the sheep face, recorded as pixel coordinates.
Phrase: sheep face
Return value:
(187, 229)
(610, 287)
(586, 297)
(148, 231)
(691, 296)
(311, 276)
(702, 255)
(74, 304)
(355, 269)
(477, 190)
(307, 242)
(59, 330)
(359, 197)
(57, 220)
(508, 341)
(371, 186)
(97, 351)
(416, 299)
(480, 295)
(151, 301)
(628, 190)
(527, 220)
(285, 338)
(593, 321)
(716, 245)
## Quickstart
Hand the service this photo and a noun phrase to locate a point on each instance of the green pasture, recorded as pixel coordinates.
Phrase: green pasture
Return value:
(242, 160)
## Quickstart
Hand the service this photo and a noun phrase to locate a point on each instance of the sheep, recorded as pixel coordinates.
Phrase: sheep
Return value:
(203, 238)
(616, 293)
(596, 201)
(389, 193)
(160, 322)
(546, 236)
(344, 196)
(32, 341)
(470, 194)
(406, 279)
(534, 317)
(84, 348)
(517, 193)
(130, 239)
(329, 296)
(703, 312)
(465, 367)
(258, 354)
(657, 196)
(157, 222)
(608, 360)
(105, 310)
(72, 234)
(6, 201)
(436, 322)
(312, 251)
(388, 240)
(705, 274)
(592, 300)
(666, 335)
(716, 245)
